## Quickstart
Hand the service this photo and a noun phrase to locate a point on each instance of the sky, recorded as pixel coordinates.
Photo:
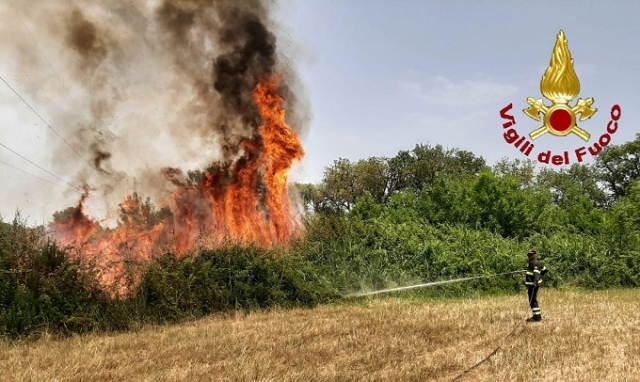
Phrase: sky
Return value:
(383, 76)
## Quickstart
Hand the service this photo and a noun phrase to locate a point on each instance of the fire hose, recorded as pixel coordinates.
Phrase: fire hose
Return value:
(451, 282)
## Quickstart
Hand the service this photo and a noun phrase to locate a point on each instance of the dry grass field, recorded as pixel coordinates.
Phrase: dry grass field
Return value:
(586, 336)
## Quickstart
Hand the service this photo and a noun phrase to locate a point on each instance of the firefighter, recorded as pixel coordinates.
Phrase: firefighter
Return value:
(533, 280)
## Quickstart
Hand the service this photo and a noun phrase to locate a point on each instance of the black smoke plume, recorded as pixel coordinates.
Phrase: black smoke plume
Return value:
(137, 87)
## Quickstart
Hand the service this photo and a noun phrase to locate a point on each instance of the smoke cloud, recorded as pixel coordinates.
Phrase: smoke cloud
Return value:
(142, 89)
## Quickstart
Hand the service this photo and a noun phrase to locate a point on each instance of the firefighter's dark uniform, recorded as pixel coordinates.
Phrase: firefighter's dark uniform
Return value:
(533, 278)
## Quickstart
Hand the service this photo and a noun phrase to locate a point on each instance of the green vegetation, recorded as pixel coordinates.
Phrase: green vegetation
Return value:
(424, 215)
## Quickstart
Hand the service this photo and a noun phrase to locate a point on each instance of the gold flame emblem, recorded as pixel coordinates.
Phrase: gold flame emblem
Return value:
(560, 85)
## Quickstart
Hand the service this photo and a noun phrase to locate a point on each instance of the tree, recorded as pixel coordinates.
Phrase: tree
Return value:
(136, 212)
(623, 222)
(422, 165)
(63, 216)
(312, 197)
(399, 171)
(580, 178)
(503, 206)
(373, 178)
(619, 166)
(340, 185)
(449, 200)
(523, 170)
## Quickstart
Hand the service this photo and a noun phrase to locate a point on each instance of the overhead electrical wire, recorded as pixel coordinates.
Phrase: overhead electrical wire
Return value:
(56, 74)
(35, 176)
(38, 166)
(42, 119)
(37, 46)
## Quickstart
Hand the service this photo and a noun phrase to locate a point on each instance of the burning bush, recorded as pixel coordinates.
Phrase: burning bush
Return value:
(43, 287)
(154, 86)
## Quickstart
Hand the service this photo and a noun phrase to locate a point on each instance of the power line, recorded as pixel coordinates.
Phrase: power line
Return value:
(54, 71)
(40, 167)
(42, 119)
(35, 176)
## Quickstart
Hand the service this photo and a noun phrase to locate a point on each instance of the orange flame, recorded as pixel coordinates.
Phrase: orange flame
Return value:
(282, 148)
(245, 202)
(73, 225)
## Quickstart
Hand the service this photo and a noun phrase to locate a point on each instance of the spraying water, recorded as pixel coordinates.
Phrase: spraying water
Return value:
(430, 284)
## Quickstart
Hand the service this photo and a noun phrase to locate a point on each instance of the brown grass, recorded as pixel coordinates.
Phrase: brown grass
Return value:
(586, 336)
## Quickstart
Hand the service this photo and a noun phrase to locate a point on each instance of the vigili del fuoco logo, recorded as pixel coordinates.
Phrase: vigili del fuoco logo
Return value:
(559, 85)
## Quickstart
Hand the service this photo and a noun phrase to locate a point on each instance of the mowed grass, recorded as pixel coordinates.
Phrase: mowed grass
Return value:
(586, 336)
